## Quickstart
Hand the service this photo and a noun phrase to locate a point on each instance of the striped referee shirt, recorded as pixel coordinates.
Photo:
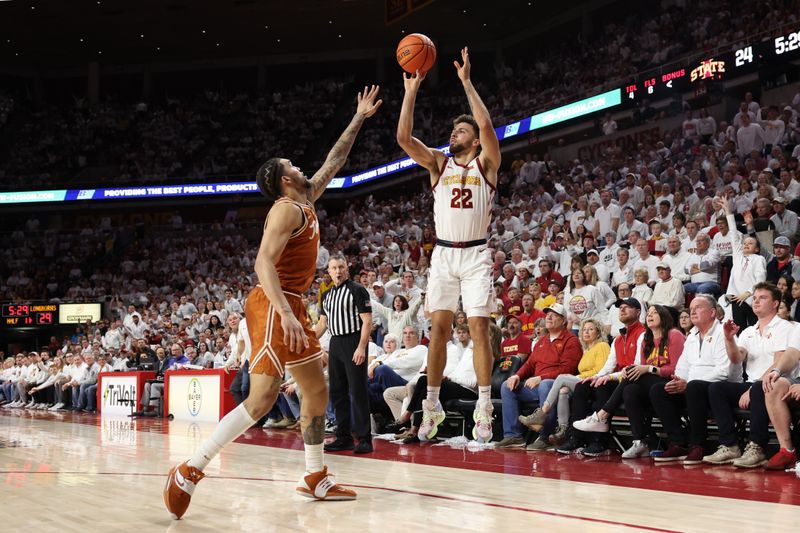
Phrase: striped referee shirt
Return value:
(342, 305)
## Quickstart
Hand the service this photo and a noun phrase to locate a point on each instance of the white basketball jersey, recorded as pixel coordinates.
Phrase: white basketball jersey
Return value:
(462, 202)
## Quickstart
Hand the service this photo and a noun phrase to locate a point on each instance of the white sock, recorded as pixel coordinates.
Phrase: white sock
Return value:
(314, 457)
(433, 394)
(485, 393)
(231, 426)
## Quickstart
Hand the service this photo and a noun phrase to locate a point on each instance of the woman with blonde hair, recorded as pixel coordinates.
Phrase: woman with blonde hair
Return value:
(595, 353)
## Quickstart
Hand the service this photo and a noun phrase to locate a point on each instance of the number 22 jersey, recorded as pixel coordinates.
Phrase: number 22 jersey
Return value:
(462, 202)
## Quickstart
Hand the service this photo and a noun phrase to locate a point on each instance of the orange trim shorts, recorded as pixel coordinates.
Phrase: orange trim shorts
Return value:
(270, 355)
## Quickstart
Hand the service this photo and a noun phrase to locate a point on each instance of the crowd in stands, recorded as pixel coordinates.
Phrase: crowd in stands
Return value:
(224, 135)
(665, 278)
(628, 278)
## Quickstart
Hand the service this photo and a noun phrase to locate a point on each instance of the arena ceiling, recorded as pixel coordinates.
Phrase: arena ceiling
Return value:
(52, 33)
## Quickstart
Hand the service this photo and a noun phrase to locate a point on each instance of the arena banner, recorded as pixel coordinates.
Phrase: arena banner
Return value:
(627, 140)
(194, 397)
(115, 394)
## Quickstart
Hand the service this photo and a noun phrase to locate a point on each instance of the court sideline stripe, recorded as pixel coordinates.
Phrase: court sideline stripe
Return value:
(372, 487)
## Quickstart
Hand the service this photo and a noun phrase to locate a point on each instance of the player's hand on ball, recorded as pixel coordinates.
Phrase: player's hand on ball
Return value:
(367, 105)
(413, 81)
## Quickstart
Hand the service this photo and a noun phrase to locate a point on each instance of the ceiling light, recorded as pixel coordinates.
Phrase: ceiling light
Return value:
(158, 48)
(279, 40)
(141, 35)
(217, 44)
(330, 22)
(340, 36)
(204, 32)
(266, 27)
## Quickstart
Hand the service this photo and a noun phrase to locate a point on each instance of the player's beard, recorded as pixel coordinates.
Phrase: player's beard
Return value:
(456, 148)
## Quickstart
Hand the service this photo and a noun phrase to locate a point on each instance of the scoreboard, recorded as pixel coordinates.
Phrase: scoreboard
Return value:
(38, 315)
(749, 58)
(28, 315)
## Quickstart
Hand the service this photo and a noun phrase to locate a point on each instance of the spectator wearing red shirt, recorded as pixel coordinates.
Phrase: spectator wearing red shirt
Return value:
(516, 344)
(414, 249)
(548, 275)
(512, 302)
(558, 352)
(529, 315)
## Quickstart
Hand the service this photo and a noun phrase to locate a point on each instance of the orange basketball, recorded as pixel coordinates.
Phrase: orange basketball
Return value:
(416, 52)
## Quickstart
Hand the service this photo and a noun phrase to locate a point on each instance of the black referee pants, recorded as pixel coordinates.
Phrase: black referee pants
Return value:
(348, 389)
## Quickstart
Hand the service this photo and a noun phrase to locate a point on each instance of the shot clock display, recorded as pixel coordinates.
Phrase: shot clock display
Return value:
(29, 315)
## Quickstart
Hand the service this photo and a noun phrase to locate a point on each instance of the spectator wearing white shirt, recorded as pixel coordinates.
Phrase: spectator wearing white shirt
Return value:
(676, 257)
(706, 127)
(749, 269)
(703, 268)
(791, 187)
(668, 290)
(135, 330)
(744, 112)
(645, 260)
(749, 137)
(232, 305)
(760, 345)
(752, 105)
(609, 125)
(773, 127)
(607, 214)
(593, 260)
(397, 368)
(785, 221)
(113, 337)
(129, 314)
(76, 374)
(608, 255)
(186, 308)
(624, 268)
(722, 239)
(629, 223)
(239, 349)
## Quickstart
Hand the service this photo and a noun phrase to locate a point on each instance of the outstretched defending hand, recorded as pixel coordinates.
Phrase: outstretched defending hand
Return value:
(463, 70)
(367, 105)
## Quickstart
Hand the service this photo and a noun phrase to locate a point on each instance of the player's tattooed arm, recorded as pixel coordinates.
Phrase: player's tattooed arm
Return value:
(313, 429)
(367, 106)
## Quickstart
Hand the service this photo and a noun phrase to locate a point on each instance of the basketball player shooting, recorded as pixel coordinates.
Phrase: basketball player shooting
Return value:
(463, 189)
(280, 331)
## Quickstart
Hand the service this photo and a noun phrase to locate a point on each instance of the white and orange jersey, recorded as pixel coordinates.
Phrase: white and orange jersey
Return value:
(462, 202)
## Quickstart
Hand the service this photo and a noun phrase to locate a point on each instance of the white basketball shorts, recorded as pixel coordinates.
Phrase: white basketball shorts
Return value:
(464, 272)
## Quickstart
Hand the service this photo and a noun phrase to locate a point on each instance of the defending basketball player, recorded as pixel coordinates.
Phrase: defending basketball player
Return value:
(280, 331)
(463, 188)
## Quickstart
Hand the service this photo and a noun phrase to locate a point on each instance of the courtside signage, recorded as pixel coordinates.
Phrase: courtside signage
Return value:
(194, 398)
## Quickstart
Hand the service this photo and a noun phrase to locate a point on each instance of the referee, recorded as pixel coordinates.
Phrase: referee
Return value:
(347, 313)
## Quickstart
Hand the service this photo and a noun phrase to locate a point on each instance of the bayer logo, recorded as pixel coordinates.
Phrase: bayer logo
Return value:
(194, 396)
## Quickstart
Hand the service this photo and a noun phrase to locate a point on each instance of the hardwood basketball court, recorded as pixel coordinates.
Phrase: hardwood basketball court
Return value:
(81, 472)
